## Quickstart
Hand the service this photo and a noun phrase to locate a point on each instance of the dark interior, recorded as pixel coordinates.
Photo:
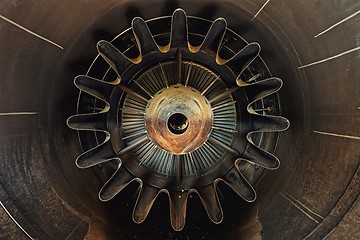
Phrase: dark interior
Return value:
(313, 46)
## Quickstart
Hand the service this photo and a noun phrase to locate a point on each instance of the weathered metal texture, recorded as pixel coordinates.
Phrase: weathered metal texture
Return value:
(178, 127)
(196, 123)
(315, 190)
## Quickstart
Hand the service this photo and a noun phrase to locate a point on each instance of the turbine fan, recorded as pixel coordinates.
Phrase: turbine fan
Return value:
(179, 114)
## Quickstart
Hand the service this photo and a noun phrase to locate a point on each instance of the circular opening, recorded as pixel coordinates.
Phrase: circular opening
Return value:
(178, 123)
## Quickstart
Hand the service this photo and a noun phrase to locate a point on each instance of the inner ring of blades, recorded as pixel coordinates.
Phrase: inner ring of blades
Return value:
(177, 112)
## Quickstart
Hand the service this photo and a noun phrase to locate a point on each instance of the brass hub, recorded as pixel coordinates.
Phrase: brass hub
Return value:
(179, 119)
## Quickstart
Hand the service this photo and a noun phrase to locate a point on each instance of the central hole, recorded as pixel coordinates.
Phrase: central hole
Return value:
(178, 123)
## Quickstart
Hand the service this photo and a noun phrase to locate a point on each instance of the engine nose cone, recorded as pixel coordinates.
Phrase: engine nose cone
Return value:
(179, 119)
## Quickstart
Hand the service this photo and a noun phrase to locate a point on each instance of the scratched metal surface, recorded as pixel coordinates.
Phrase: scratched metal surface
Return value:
(312, 45)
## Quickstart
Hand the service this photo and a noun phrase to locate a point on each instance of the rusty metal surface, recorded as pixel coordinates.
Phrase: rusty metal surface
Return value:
(179, 100)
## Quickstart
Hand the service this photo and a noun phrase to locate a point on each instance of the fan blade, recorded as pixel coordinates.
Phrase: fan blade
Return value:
(144, 38)
(118, 181)
(210, 200)
(265, 123)
(116, 59)
(262, 88)
(91, 121)
(259, 156)
(178, 202)
(99, 154)
(239, 184)
(179, 31)
(94, 87)
(243, 58)
(144, 202)
(214, 36)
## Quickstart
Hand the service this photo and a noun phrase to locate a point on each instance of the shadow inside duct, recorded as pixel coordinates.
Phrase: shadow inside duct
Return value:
(49, 198)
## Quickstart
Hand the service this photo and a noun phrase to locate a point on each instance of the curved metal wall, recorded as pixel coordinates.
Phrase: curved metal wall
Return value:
(314, 46)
